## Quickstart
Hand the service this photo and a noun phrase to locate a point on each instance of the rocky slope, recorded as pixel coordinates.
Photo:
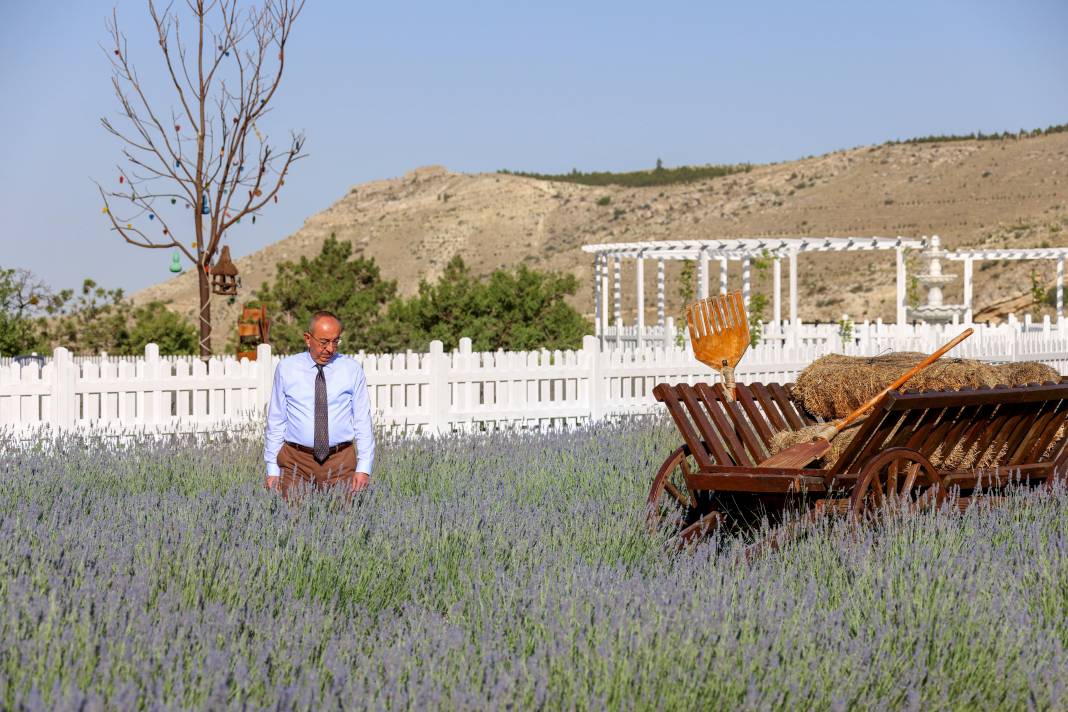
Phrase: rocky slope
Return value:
(1011, 192)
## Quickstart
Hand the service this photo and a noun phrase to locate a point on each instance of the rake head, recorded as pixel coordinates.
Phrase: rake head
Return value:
(719, 330)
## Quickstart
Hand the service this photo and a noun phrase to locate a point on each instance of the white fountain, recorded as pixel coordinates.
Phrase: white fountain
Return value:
(934, 311)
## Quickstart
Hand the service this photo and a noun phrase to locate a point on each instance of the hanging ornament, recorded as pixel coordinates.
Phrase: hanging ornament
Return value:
(151, 216)
(116, 53)
(257, 192)
(238, 221)
(177, 127)
(226, 53)
(235, 119)
(104, 210)
(129, 226)
(122, 178)
(176, 263)
(174, 200)
(177, 163)
(165, 231)
(194, 245)
(253, 219)
(276, 198)
(204, 205)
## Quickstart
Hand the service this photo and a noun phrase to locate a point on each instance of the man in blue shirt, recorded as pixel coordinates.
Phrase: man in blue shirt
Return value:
(319, 405)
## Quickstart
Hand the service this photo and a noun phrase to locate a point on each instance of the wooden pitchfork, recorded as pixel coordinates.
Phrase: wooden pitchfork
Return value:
(719, 332)
(801, 454)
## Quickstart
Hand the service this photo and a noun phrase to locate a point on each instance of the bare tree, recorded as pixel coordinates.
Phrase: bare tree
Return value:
(203, 161)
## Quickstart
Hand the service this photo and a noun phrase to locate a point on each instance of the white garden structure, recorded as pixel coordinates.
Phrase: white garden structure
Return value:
(608, 284)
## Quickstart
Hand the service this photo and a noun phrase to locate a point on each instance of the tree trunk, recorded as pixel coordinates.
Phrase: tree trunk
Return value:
(205, 312)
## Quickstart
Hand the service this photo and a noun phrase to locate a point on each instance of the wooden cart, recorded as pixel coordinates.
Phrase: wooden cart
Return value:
(715, 477)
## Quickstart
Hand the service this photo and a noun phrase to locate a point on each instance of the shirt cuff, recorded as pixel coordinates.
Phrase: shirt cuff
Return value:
(363, 466)
(273, 470)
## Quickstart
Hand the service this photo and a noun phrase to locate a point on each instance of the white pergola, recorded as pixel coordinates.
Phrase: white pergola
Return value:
(724, 251)
(968, 257)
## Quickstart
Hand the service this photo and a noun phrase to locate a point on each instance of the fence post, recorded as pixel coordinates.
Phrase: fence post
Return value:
(593, 353)
(439, 392)
(64, 373)
(264, 377)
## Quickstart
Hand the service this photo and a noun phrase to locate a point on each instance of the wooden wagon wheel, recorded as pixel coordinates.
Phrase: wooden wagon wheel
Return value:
(896, 475)
(671, 505)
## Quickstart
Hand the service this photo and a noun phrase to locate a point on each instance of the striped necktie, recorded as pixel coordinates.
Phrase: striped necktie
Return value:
(321, 443)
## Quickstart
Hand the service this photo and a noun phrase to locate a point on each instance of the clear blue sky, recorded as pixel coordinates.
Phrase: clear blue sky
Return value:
(381, 88)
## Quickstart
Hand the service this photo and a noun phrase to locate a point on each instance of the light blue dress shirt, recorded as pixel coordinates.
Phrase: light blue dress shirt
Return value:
(291, 413)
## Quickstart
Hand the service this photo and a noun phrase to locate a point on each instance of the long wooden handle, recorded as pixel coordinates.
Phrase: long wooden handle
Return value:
(841, 424)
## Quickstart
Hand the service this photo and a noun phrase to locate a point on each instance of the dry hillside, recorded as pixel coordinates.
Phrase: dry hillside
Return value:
(973, 193)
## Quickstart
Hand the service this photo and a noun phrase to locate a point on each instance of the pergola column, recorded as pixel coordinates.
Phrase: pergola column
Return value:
(702, 274)
(723, 275)
(598, 297)
(639, 279)
(776, 292)
(745, 282)
(661, 275)
(901, 317)
(793, 290)
(1060, 287)
(968, 290)
(617, 293)
(603, 315)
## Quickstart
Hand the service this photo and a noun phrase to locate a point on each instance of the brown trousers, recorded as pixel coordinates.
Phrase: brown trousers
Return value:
(301, 470)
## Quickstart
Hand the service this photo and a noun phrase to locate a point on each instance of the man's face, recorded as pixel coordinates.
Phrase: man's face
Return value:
(323, 340)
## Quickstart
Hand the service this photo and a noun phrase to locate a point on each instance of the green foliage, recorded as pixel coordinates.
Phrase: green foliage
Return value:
(154, 323)
(845, 330)
(641, 179)
(511, 309)
(352, 289)
(980, 136)
(757, 304)
(687, 290)
(102, 319)
(1039, 294)
(517, 310)
(21, 298)
(604, 200)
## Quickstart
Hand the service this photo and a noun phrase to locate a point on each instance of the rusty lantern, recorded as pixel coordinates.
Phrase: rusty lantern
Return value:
(224, 278)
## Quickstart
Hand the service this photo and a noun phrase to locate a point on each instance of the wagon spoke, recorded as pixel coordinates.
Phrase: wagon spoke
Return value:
(681, 498)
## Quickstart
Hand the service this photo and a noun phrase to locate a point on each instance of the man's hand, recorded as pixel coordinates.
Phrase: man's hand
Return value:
(270, 482)
(360, 480)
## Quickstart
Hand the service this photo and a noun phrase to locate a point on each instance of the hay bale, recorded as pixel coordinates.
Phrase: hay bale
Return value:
(1022, 373)
(835, 385)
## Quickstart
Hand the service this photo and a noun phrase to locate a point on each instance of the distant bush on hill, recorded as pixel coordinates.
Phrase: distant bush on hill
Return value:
(640, 179)
(980, 136)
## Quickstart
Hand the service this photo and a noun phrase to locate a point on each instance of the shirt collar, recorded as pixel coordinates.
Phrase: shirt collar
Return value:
(313, 363)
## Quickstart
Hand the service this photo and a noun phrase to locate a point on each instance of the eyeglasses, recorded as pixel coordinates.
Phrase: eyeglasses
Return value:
(323, 343)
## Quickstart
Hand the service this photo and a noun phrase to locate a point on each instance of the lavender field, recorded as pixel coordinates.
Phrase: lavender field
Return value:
(503, 571)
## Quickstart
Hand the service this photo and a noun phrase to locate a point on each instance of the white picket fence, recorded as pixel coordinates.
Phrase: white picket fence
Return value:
(439, 392)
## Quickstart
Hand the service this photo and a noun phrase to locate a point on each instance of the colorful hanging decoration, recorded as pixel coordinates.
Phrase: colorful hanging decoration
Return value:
(194, 244)
(174, 200)
(165, 231)
(116, 53)
(204, 205)
(176, 263)
(253, 219)
(121, 179)
(257, 192)
(276, 198)
(151, 216)
(129, 226)
(104, 210)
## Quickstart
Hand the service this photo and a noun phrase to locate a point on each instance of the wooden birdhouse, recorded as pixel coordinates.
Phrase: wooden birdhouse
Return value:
(224, 279)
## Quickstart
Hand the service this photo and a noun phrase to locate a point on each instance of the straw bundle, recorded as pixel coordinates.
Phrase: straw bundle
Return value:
(834, 386)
